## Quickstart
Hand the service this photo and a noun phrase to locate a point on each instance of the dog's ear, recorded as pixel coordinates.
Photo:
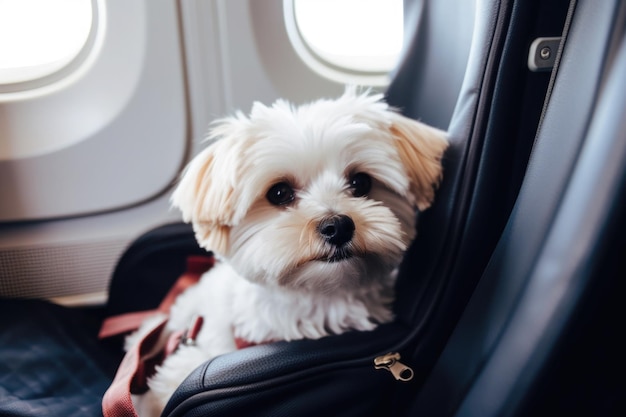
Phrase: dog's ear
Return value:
(420, 148)
(206, 193)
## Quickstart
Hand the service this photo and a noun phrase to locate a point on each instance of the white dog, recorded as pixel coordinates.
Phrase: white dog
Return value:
(309, 211)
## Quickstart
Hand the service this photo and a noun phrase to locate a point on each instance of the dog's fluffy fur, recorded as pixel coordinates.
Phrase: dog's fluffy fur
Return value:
(292, 265)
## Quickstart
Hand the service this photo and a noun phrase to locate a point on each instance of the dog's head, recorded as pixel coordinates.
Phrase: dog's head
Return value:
(321, 197)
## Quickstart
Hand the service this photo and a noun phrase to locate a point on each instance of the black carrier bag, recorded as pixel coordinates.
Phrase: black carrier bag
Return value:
(461, 263)
(149, 267)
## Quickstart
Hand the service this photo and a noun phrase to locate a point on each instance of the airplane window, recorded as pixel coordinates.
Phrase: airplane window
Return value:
(353, 36)
(40, 37)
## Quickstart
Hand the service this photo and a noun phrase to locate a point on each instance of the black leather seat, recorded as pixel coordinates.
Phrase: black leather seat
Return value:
(549, 281)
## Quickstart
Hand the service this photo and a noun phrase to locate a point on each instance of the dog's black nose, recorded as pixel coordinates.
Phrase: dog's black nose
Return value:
(337, 230)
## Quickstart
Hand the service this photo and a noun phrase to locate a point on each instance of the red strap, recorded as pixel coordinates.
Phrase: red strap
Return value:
(127, 322)
(138, 363)
(243, 343)
(123, 323)
(130, 376)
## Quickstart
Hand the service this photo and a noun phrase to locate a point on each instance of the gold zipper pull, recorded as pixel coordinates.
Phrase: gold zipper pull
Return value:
(391, 362)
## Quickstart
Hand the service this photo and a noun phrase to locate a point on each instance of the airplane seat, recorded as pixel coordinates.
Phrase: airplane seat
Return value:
(492, 129)
(558, 248)
(52, 361)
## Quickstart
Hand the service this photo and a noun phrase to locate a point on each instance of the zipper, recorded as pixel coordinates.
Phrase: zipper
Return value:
(391, 362)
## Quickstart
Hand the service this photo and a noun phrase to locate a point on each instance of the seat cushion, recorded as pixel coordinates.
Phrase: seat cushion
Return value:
(52, 363)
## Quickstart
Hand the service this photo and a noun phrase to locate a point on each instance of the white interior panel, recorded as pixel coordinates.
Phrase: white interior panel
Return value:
(238, 52)
(112, 136)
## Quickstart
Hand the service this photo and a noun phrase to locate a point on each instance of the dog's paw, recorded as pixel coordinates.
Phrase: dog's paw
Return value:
(148, 404)
(174, 370)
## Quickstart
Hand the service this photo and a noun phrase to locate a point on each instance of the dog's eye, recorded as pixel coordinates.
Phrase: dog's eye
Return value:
(360, 184)
(280, 194)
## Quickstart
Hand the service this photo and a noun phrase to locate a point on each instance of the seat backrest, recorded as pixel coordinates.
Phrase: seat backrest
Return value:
(427, 82)
(492, 131)
(548, 251)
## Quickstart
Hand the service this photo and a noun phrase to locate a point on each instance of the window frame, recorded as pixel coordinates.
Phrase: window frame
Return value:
(321, 65)
(71, 69)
